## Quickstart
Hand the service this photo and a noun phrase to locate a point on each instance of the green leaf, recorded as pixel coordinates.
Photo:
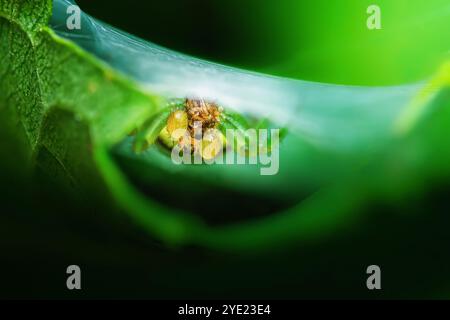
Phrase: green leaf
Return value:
(73, 112)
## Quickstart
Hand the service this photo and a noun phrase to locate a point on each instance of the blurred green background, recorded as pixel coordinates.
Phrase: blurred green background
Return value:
(325, 41)
(44, 229)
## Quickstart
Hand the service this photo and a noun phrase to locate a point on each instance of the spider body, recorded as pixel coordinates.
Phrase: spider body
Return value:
(203, 112)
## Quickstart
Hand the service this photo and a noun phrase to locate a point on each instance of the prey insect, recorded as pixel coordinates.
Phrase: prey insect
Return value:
(195, 124)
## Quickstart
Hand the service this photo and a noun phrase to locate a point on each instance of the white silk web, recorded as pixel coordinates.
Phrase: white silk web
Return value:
(337, 116)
